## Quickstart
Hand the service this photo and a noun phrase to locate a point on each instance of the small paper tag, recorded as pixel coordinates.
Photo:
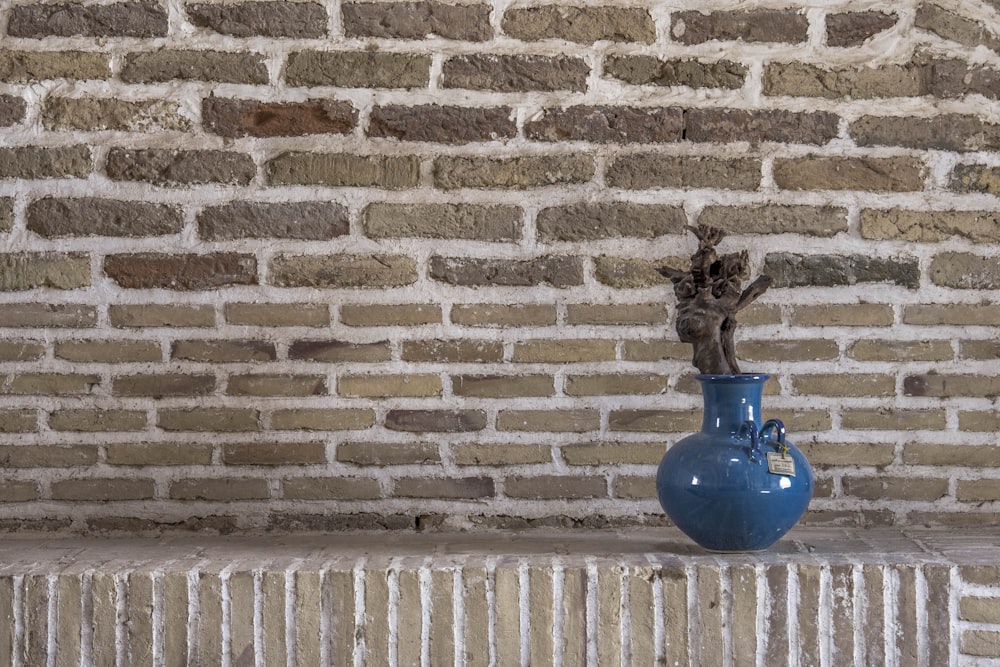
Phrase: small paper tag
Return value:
(779, 464)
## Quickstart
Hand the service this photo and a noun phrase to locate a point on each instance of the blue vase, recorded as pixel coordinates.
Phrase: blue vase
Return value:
(737, 485)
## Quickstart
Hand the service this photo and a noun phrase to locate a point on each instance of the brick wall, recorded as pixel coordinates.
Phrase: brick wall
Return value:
(353, 264)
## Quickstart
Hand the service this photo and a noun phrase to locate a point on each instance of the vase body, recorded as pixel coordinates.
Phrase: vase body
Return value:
(720, 486)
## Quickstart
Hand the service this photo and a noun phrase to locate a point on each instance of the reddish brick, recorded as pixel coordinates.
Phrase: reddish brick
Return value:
(251, 118)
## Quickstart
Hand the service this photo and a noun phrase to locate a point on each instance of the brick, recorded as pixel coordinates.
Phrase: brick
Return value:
(976, 178)
(450, 221)
(636, 314)
(335, 351)
(800, 79)
(951, 314)
(649, 70)
(56, 384)
(892, 420)
(605, 124)
(978, 456)
(390, 315)
(16, 491)
(582, 25)
(273, 453)
(793, 270)
(555, 487)
(85, 421)
(929, 226)
(854, 28)
(392, 172)
(458, 488)
(223, 351)
(358, 69)
(441, 124)
(556, 270)
(503, 315)
(629, 272)
(955, 27)
(107, 489)
(852, 454)
(48, 456)
(654, 421)
(201, 65)
(288, 220)
(232, 118)
(613, 453)
(615, 384)
(761, 25)
(342, 271)
(502, 386)
(858, 315)
(278, 314)
(241, 615)
(417, 20)
(6, 214)
(388, 453)
(562, 421)
(634, 487)
(45, 162)
(948, 132)
(29, 66)
(12, 110)
(322, 419)
(331, 488)
(515, 73)
(950, 385)
(729, 125)
(159, 385)
(641, 171)
(120, 19)
(21, 350)
(522, 172)
(982, 575)
(979, 609)
(89, 216)
(161, 315)
(978, 422)
(460, 350)
(892, 174)
(893, 350)
(220, 490)
(435, 421)
(159, 454)
(821, 221)
(167, 167)
(32, 270)
(842, 384)
(383, 386)
(266, 19)
(35, 315)
(963, 270)
(587, 222)
(222, 420)
(980, 349)
(500, 454)
(95, 114)
(276, 385)
(563, 351)
(895, 488)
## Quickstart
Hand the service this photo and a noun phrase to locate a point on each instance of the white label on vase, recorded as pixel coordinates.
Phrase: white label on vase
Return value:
(780, 464)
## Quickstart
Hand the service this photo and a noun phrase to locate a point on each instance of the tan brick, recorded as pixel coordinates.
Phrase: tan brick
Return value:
(21, 350)
(803, 420)
(357, 69)
(167, 65)
(776, 219)
(409, 617)
(491, 223)
(273, 453)
(554, 487)
(473, 589)
(800, 79)
(7, 615)
(854, 315)
(979, 349)
(278, 314)
(521, 172)
(656, 350)
(227, 489)
(108, 351)
(452, 350)
(159, 454)
(639, 171)
(36, 315)
(852, 454)
(331, 488)
(616, 314)
(929, 226)
(583, 25)
(640, 643)
(744, 582)
(157, 315)
(978, 490)
(276, 385)
(322, 419)
(382, 386)
(897, 174)
(815, 349)
(376, 618)
(842, 384)
(97, 420)
(158, 386)
(609, 608)
(388, 453)
(209, 419)
(633, 272)
(892, 350)
(615, 384)
(223, 351)
(48, 456)
(16, 491)
(210, 602)
(500, 454)
(634, 487)
(37, 162)
(613, 453)
(175, 606)
(895, 488)
(308, 616)
(241, 615)
(979, 609)
(947, 386)
(442, 627)
(342, 271)
(655, 421)
(502, 386)
(493, 315)
(508, 611)
(982, 575)
(334, 351)
(103, 489)
(565, 421)
(953, 314)
(18, 421)
(978, 422)
(390, 315)
(893, 420)
(344, 170)
(450, 487)
(587, 221)
(25, 66)
(51, 384)
(564, 351)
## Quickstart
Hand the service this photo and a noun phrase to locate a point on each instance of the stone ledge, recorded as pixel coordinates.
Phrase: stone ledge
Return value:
(648, 596)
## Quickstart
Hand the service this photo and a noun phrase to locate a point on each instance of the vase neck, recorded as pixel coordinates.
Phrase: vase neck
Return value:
(730, 400)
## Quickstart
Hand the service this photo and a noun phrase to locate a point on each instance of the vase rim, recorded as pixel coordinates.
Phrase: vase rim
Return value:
(740, 378)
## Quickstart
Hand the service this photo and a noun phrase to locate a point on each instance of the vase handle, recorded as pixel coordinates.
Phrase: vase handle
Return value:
(749, 427)
(779, 429)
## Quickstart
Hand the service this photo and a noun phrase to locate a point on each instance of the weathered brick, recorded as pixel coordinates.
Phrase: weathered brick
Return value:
(895, 488)
(45, 162)
(856, 315)
(181, 271)
(221, 490)
(563, 351)
(613, 453)
(979, 349)
(34, 315)
(276, 385)
(106, 489)
(166, 167)
(500, 455)
(273, 453)
(646, 70)
(976, 456)
(800, 79)
(978, 422)
(976, 178)
(334, 351)
(894, 350)
(159, 454)
(441, 124)
(223, 351)
(582, 24)
(55, 384)
(285, 220)
(555, 487)
(587, 222)
(503, 315)
(616, 314)
(200, 65)
(51, 217)
(615, 384)
(32, 270)
(95, 114)
(25, 66)
(12, 110)
(252, 118)
(515, 73)
(823, 221)
(854, 28)
(979, 609)
(952, 314)
(48, 456)
(894, 174)
(6, 214)
(374, 271)
(84, 420)
(384, 386)
(554, 270)
(822, 454)
(390, 315)
(388, 453)
(949, 132)
(435, 421)
(322, 419)
(728, 125)
(209, 419)
(16, 491)
(605, 124)
(930, 226)
(417, 20)
(502, 386)
(528, 171)
(656, 350)
(157, 385)
(634, 487)
(843, 384)
(948, 385)
(21, 350)
(630, 272)
(562, 421)
(459, 221)
(892, 420)
(278, 314)
(161, 315)
(963, 270)
(451, 487)
(266, 19)
(761, 25)
(655, 421)
(330, 488)
(358, 69)
(640, 171)
(393, 172)
(119, 19)
(792, 270)
(955, 27)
